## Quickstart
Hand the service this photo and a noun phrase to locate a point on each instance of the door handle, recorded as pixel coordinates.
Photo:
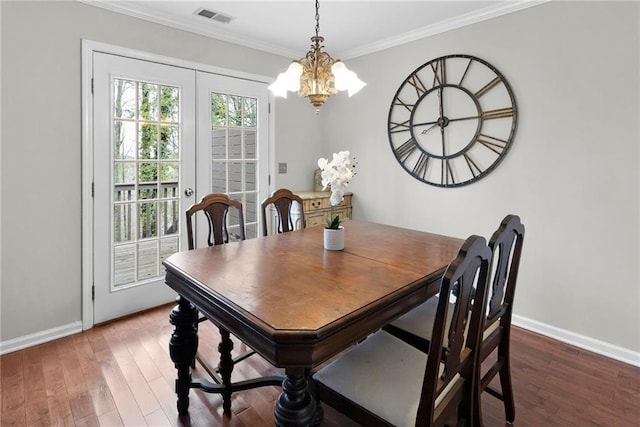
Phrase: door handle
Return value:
(188, 192)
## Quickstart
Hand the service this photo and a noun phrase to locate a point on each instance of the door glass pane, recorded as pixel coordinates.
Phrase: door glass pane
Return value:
(148, 101)
(219, 144)
(124, 140)
(235, 177)
(218, 109)
(234, 144)
(234, 155)
(146, 167)
(170, 142)
(234, 110)
(250, 143)
(250, 112)
(124, 96)
(124, 256)
(147, 259)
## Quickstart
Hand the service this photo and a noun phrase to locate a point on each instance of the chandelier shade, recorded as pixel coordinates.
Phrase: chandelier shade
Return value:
(317, 76)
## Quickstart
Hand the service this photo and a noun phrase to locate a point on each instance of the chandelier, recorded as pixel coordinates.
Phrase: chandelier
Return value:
(317, 76)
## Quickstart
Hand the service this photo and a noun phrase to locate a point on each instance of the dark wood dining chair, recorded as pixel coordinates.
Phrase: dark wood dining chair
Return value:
(282, 200)
(414, 327)
(216, 208)
(384, 381)
(506, 244)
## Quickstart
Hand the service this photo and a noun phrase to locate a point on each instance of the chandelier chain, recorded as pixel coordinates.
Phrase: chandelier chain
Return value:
(317, 17)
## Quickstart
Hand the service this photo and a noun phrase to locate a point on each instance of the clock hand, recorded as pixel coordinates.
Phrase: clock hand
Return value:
(448, 121)
(441, 102)
(443, 174)
(464, 118)
(425, 123)
(426, 131)
(443, 144)
(441, 121)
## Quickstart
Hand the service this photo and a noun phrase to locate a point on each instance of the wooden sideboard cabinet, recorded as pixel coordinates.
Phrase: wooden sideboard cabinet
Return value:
(317, 208)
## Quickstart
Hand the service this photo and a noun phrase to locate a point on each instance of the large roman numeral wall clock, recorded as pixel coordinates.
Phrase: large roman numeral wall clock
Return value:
(452, 121)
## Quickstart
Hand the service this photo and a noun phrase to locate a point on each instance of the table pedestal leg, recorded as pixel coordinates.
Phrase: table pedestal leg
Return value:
(296, 406)
(182, 348)
(225, 367)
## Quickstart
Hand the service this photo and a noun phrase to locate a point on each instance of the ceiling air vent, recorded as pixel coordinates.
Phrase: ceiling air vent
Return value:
(213, 15)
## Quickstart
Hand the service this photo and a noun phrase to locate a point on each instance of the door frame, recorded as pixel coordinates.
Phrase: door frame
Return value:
(88, 48)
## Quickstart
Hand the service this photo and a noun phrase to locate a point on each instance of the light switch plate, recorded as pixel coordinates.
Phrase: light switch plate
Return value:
(282, 168)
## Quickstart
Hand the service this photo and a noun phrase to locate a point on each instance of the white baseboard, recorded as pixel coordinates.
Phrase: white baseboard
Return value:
(591, 344)
(596, 346)
(40, 337)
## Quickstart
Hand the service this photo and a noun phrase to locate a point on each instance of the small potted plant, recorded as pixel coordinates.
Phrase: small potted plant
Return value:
(336, 175)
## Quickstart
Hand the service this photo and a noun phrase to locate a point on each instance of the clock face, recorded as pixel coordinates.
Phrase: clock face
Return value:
(452, 121)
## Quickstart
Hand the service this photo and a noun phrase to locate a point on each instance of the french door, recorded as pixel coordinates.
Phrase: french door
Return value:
(164, 136)
(232, 156)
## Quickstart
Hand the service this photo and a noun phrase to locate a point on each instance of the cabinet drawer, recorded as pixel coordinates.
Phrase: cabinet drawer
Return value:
(315, 218)
(342, 211)
(317, 207)
(311, 205)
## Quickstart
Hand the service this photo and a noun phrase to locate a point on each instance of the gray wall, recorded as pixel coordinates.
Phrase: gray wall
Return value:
(572, 174)
(41, 144)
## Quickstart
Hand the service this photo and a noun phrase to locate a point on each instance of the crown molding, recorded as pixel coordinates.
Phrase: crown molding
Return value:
(127, 8)
(444, 26)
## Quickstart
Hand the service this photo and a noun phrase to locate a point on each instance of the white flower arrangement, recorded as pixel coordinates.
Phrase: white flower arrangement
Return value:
(336, 174)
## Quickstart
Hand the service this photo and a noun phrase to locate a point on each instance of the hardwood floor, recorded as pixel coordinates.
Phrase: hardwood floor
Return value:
(120, 373)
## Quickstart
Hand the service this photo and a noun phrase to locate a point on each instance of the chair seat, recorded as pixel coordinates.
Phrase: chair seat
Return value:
(357, 376)
(419, 321)
(416, 326)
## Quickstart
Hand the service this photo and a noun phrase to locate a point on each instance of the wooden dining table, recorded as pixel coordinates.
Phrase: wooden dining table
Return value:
(297, 304)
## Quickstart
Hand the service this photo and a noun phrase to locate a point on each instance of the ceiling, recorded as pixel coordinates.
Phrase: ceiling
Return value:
(350, 28)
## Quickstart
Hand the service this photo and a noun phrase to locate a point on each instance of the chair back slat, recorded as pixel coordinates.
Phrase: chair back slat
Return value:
(463, 290)
(216, 207)
(506, 244)
(282, 200)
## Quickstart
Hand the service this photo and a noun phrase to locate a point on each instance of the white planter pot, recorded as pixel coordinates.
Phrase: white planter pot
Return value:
(334, 239)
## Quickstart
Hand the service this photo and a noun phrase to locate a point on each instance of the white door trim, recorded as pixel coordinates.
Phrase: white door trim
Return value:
(88, 48)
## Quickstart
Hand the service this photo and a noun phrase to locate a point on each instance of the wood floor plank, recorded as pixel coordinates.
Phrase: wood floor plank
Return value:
(71, 370)
(139, 388)
(166, 397)
(13, 391)
(128, 408)
(138, 384)
(157, 419)
(88, 421)
(130, 335)
(110, 419)
(82, 406)
(57, 398)
(120, 374)
(159, 356)
(250, 417)
(98, 388)
(37, 408)
(143, 360)
(110, 360)
(1, 391)
(78, 395)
